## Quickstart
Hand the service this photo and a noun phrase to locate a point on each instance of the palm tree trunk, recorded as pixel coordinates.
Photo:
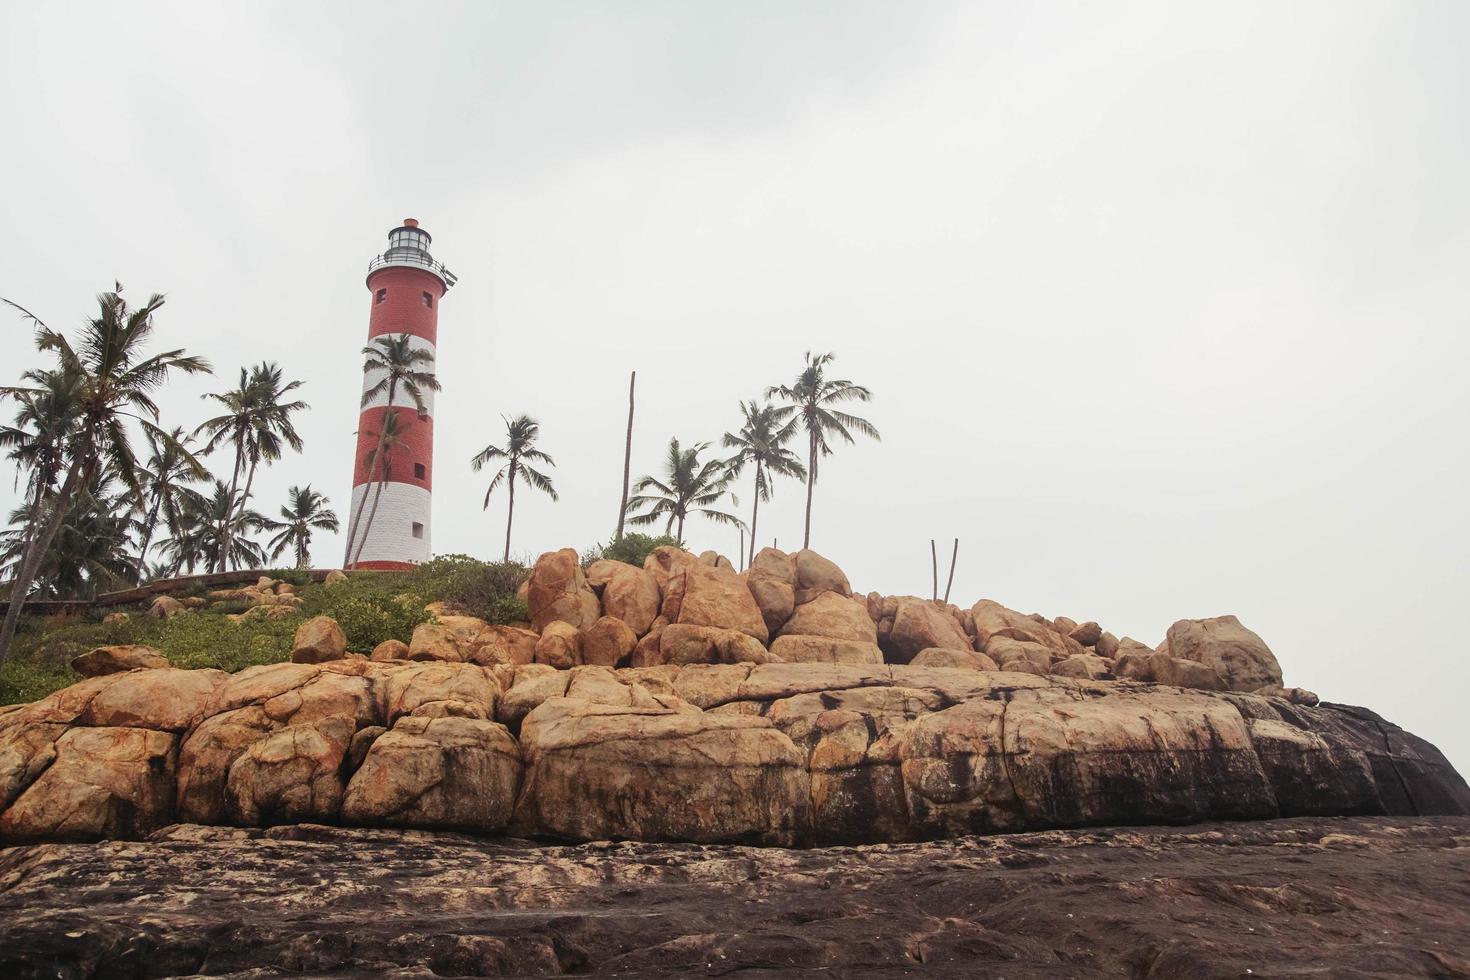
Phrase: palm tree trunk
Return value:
(377, 455)
(811, 478)
(249, 482)
(681, 530)
(754, 509)
(377, 496)
(510, 510)
(224, 529)
(627, 458)
(26, 574)
(148, 527)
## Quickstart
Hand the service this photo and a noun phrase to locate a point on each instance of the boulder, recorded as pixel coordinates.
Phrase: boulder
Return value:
(115, 618)
(1087, 634)
(1106, 646)
(608, 642)
(683, 643)
(992, 619)
(919, 624)
(772, 583)
(558, 590)
(504, 645)
(292, 775)
(948, 657)
(1296, 695)
(334, 577)
(437, 773)
(600, 772)
(628, 592)
(389, 650)
(438, 690)
(1239, 656)
(1086, 666)
(715, 560)
(807, 649)
(100, 661)
(663, 561)
(560, 645)
(317, 640)
(165, 607)
(707, 595)
(1022, 655)
(815, 575)
(1160, 668)
(834, 616)
(167, 699)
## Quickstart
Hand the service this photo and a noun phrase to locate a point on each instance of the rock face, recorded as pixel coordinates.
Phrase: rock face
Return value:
(317, 640)
(115, 659)
(628, 593)
(919, 624)
(712, 595)
(1308, 897)
(1240, 657)
(703, 744)
(558, 590)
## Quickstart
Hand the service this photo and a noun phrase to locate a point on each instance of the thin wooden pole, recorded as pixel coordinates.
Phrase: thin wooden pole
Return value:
(952, 558)
(627, 457)
(934, 558)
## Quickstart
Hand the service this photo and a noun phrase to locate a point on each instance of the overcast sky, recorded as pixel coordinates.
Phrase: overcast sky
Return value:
(1164, 306)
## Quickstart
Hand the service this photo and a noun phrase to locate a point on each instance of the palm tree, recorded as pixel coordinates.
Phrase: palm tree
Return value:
(90, 552)
(812, 397)
(256, 422)
(520, 445)
(403, 366)
(379, 459)
(692, 487)
(304, 511)
(761, 440)
(38, 440)
(215, 532)
(115, 382)
(165, 479)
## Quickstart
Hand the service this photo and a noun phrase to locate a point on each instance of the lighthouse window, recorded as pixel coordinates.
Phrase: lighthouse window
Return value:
(418, 529)
(418, 471)
(382, 295)
(428, 301)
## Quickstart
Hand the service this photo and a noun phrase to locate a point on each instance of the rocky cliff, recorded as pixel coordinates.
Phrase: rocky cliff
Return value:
(684, 702)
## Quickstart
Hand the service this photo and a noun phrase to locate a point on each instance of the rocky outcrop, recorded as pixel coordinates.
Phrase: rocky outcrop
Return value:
(116, 659)
(317, 640)
(1239, 656)
(702, 745)
(698, 594)
(628, 593)
(772, 583)
(558, 590)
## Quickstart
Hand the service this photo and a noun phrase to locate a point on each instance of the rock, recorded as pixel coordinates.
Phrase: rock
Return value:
(100, 661)
(992, 619)
(947, 657)
(390, 650)
(291, 776)
(166, 699)
(1241, 658)
(165, 607)
(598, 772)
(504, 645)
(608, 642)
(1087, 666)
(663, 561)
(772, 583)
(1106, 646)
(919, 624)
(115, 618)
(815, 575)
(705, 595)
(103, 782)
(1160, 668)
(1065, 624)
(1088, 634)
(334, 577)
(834, 616)
(437, 773)
(437, 641)
(683, 643)
(438, 690)
(1022, 655)
(800, 648)
(317, 640)
(628, 592)
(1296, 695)
(560, 645)
(558, 590)
(715, 560)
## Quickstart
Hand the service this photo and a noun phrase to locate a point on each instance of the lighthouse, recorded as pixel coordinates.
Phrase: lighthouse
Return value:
(393, 469)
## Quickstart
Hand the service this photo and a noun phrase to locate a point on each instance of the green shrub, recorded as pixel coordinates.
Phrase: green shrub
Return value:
(296, 576)
(506, 610)
(632, 549)
(368, 620)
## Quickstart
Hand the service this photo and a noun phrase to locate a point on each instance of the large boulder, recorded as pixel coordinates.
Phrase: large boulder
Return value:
(834, 616)
(560, 645)
(949, 657)
(166, 607)
(1239, 656)
(994, 620)
(663, 561)
(600, 771)
(1159, 668)
(558, 590)
(608, 642)
(100, 661)
(293, 775)
(815, 575)
(919, 624)
(439, 773)
(806, 649)
(712, 595)
(685, 643)
(772, 583)
(317, 640)
(628, 592)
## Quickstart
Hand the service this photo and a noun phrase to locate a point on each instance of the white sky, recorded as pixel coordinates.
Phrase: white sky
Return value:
(1164, 305)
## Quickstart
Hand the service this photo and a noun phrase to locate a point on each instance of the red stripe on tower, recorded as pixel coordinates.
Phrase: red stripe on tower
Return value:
(391, 490)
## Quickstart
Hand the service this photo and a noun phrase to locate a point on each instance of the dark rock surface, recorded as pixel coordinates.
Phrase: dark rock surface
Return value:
(1304, 897)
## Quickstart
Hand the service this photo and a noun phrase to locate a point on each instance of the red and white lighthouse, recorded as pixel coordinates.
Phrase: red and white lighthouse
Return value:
(390, 521)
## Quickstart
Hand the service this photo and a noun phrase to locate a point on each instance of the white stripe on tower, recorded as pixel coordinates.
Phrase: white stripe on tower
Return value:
(400, 529)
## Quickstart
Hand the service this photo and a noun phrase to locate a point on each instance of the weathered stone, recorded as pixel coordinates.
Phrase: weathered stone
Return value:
(558, 591)
(389, 651)
(628, 593)
(834, 616)
(608, 642)
(292, 775)
(919, 624)
(948, 657)
(560, 645)
(1241, 658)
(165, 607)
(115, 618)
(1087, 666)
(815, 575)
(705, 595)
(993, 619)
(1106, 646)
(1087, 634)
(99, 661)
(505, 645)
(805, 649)
(167, 699)
(663, 561)
(1024, 655)
(772, 583)
(334, 577)
(688, 644)
(317, 640)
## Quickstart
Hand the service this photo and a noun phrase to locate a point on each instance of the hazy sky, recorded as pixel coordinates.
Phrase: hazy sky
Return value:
(1164, 306)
